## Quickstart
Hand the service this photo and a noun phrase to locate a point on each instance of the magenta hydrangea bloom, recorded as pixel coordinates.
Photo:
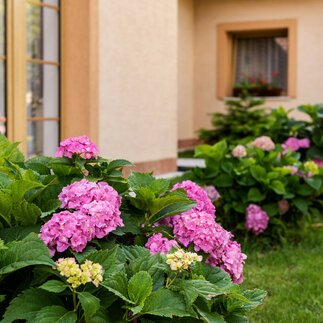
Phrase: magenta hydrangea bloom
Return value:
(239, 151)
(318, 162)
(76, 195)
(200, 229)
(97, 213)
(264, 143)
(66, 229)
(304, 143)
(157, 243)
(295, 144)
(232, 261)
(283, 206)
(196, 193)
(105, 217)
(212, 193)
(82, 146)
(293, 168)
(256, 219)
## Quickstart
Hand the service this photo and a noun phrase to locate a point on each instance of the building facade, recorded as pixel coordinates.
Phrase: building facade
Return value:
(140, 77)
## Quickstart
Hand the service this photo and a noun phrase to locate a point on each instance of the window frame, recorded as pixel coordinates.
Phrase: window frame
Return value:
(78, 69)
(226, 57)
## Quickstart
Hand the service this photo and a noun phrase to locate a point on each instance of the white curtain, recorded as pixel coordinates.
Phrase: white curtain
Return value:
(262, 56)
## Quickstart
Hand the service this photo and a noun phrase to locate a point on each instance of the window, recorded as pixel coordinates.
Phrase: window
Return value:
(2, 67)
(261, 54)
(30, 74)
(262, 61)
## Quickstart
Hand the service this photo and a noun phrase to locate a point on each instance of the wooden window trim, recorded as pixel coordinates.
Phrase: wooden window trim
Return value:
(225, 48)
(78, 64)
(79, 68)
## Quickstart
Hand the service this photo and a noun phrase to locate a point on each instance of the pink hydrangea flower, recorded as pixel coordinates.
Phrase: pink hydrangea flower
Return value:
(264, 143)
(66, 229)
(232, 261)
(304, 143)
(293, 168)
(295, 144)
(200, 229)
(256, 219)
(82, 146)
(318, 162)
(76, 195)
(283, 206)
(105, 217)
(197, 194)
(212, 193)
(157, 243)
(97, 214)
(292, 143)
(239, 151)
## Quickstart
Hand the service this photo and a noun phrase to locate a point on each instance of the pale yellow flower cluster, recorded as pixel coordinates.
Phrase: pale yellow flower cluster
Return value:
(311, 168)
(76, 275)
(180, 259)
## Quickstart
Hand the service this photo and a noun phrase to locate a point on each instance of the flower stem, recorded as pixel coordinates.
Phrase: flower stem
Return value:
(172, 281)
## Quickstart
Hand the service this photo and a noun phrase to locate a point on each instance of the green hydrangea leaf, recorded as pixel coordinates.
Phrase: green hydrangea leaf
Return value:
(26, 305)
(118, 285)
(106, 258)
(90, 304)
(54, 286)
(55, 314)
(139, 287)
(165, 303)
(27, 252)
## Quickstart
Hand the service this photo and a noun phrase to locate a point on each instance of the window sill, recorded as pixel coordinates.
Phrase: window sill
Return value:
(267, 98)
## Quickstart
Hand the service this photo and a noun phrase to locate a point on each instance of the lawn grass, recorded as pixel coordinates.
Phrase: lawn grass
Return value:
(292, 275)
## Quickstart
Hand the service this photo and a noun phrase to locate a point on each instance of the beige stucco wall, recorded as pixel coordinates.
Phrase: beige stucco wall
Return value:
(209, 13)
(185, 69)
(138, 79)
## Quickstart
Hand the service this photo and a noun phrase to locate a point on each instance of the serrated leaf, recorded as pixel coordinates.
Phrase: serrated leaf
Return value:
(134, 252)
(148, 264)
(211, 317)
(258, 172)
(255, 296)
(159, 186)
(314, 182)
(301, 204)
(278, 187)
(5, 206)
(254, 195)
(90, 304)
(137, 180)
(215, 275)
(54, 286)
(26, 213)
(194, 288)
(140, 286)
(21, 187)
(27, 252)
(118, 163)
(55, 314)
(118, 285)
(26, 305)
(107, 259)
(165, 303)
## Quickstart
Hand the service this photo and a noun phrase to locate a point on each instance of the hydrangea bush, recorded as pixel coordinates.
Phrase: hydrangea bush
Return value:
(89, 245)
(265, 188)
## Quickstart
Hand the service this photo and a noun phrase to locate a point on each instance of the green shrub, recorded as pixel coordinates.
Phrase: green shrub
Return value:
(262, 178)
(129, 283)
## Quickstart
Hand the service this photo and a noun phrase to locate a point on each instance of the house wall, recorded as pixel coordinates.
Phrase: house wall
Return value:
(138, 81)
(209, 13)
(185, 69)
